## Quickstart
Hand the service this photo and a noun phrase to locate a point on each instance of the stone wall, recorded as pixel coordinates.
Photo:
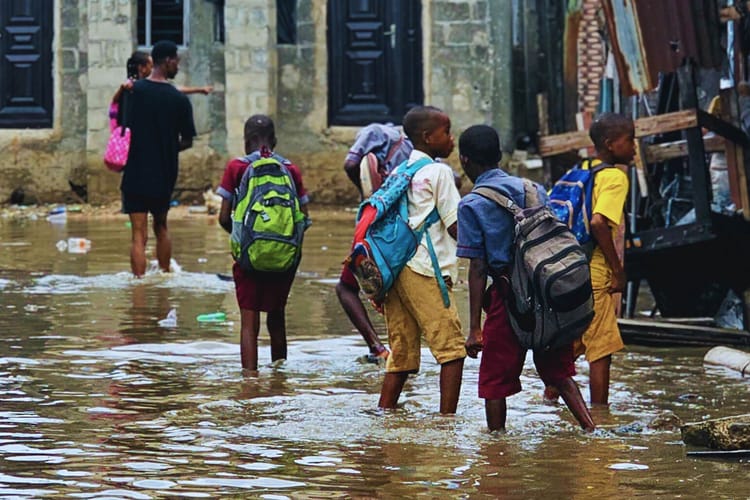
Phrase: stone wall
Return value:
(467, 68)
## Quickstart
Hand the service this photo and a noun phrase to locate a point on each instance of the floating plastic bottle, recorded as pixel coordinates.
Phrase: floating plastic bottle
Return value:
(79, 245)
(214, 316)
(57, 215)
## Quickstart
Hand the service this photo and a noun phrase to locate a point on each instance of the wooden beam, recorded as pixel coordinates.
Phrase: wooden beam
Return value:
(658, 124)
(562, 143)
(656, 153)
(667, 122)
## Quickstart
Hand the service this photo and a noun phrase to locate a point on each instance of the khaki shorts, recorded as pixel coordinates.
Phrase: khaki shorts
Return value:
(414, 308)
(602, 337)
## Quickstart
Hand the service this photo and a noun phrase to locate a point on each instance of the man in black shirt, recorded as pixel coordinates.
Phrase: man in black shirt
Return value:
(161, 121)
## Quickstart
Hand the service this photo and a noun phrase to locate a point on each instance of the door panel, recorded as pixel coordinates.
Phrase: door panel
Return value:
(375, 60)
(25, 63)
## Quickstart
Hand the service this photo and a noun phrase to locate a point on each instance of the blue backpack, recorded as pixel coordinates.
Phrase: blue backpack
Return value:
(570, 201)
(389, 241)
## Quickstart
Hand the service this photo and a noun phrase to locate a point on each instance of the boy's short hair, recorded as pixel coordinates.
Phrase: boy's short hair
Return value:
(419, 119)
(609, 126)
(163, 50)
(260, 126)
(480, 144)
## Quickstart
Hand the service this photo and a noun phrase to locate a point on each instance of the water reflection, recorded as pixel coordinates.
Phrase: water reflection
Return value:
(98, 400)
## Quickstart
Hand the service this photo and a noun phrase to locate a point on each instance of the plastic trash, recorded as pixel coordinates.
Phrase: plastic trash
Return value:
(170, 321)
(57, 215)
(78, 245)
(62, 245)
(730, 312)
(209, 317)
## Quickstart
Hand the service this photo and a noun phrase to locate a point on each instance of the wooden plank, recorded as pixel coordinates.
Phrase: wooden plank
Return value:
(719, 453)
(661, 333)
(735, 159)
(551, 145)
(562, 143)
(640, 168)
(667, 122)
(656, 153)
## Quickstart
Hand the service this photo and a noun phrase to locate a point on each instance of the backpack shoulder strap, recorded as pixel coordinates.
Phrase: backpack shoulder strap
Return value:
(412, 169)
(531, 195)
(598, 168)
(499, 198)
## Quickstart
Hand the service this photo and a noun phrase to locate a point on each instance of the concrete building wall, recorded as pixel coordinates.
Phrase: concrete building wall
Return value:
(466, 49)
(41, 161)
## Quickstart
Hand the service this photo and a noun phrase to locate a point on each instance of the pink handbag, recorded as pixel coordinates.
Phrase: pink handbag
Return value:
(118, 146)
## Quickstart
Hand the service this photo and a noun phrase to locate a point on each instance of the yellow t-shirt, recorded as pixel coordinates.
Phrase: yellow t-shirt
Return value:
(608, 198)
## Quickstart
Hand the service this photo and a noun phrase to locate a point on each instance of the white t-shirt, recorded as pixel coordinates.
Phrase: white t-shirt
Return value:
(434, 186)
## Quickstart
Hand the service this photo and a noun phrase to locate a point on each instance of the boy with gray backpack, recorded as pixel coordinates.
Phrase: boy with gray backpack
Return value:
(540, 296)
(264, 210)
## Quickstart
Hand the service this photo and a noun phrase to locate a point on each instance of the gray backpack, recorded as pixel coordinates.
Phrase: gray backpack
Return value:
(551, 302)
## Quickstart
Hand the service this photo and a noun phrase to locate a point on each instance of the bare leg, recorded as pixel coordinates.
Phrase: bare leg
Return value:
(355, 310)
(139, 236)
(451, 374)
(599, 380)
(393, 384)
(495, 411)
(163, 241)
(352, 171)
(572, 397)
(276, 323)
(249, 328)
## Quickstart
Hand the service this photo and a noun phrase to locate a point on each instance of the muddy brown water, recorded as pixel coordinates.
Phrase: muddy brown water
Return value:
(98, 400)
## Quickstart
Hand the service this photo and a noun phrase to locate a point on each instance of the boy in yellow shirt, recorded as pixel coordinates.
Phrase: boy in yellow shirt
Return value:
(613, 136)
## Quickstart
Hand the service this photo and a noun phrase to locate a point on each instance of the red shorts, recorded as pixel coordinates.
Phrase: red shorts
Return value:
(265, 292)
(503, 357)
(347, 278)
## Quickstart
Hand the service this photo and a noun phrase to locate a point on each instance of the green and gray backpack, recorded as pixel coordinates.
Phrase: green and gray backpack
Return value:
(267, 223)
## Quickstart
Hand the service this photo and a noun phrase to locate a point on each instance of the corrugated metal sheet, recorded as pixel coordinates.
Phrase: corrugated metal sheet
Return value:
(648, 37)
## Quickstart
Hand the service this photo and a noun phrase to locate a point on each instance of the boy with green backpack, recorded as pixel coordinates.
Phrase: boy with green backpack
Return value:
(264, 210)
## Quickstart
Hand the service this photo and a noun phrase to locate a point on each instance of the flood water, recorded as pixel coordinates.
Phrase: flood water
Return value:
(98, 400)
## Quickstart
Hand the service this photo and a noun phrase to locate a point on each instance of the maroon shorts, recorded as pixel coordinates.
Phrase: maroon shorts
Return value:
(265, 292)
(503, 357)
(347, 278)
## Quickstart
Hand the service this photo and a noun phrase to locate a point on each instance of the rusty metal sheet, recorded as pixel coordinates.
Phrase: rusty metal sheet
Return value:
(650, 37)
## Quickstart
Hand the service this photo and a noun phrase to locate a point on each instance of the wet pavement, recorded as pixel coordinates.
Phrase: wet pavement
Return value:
(98, 400)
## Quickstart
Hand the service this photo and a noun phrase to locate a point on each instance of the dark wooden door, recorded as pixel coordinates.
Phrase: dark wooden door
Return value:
(26, 63)
(375, 60)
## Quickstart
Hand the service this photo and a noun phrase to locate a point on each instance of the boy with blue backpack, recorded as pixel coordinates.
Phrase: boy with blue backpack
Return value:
(416, 304)
(264, 208)
(595, 224)
(486, 236)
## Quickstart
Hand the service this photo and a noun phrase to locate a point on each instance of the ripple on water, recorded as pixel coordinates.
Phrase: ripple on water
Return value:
(66, 284)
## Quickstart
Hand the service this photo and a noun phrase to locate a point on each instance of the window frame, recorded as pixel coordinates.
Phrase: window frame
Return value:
(148, 40)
